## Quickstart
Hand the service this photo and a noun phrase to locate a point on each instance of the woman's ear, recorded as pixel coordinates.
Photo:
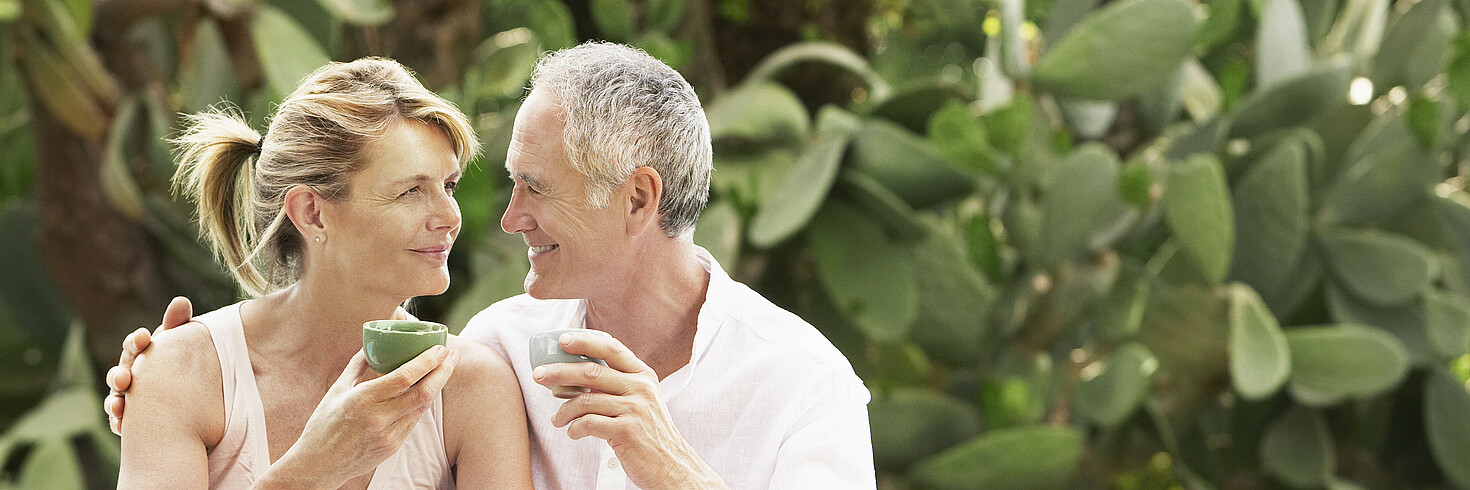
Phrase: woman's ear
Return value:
(304, 208)
(645, 191)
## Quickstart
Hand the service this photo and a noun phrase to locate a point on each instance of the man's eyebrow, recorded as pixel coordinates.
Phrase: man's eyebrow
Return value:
(528, 180)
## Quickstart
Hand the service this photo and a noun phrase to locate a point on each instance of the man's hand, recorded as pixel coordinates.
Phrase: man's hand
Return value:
(624, 408)
(120, 377)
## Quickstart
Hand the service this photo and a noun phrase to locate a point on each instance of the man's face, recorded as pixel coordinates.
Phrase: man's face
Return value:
(576, 250)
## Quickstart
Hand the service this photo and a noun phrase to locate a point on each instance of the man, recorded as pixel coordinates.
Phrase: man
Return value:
(707, 384)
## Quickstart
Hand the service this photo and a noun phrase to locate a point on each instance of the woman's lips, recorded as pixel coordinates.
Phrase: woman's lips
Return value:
(440, 253)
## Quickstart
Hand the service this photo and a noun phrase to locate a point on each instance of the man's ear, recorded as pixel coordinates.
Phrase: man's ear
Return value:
(645, 190)
(304, 208)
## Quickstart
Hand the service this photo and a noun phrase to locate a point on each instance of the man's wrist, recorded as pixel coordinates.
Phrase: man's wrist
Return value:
(697, 474)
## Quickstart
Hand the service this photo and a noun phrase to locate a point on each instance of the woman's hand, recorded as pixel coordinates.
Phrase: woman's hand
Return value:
(362, 420)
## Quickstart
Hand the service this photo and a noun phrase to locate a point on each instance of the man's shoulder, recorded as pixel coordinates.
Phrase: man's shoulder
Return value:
(516, 313)
(783, 332)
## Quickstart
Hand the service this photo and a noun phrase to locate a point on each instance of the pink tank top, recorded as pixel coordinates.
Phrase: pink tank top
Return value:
(243, 454)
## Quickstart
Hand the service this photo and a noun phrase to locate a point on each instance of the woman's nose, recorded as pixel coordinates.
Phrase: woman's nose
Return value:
(445, 213)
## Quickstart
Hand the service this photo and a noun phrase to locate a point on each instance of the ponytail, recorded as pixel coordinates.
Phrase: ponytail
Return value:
(216, 150)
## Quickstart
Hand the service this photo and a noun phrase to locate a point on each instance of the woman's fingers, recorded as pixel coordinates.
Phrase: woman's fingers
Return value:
(400, 380)
(356, 371)
(421, 394)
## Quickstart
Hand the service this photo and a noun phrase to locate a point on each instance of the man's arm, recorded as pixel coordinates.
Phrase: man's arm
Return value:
(120, 377)
(830, 445)
(625, 409)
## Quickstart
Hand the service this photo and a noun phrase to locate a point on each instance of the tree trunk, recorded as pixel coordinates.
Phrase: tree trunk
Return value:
(105, 264)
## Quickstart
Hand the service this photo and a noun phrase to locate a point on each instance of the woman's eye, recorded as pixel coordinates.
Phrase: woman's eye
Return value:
(450, 187)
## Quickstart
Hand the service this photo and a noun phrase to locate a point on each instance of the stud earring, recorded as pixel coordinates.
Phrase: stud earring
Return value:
(318, 239)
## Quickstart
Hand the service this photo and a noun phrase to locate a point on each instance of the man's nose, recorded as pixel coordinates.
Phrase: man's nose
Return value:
(516, 219)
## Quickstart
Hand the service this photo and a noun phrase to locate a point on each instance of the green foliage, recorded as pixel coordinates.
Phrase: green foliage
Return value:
(1120, 50)
(1445, 404)
(365, 12)
(286, 51)
(1259, 359)
(1120, 385)
(1298, 449)
(1067, 243)
(1020, 458)
(1197, 208)
(1334, 362)
(862, 268)
(63, 442)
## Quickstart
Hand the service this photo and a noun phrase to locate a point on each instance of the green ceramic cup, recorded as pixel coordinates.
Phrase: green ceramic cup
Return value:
(546, 349)
(390, 343)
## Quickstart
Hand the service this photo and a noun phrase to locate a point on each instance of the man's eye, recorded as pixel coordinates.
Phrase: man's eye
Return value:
(412, 190)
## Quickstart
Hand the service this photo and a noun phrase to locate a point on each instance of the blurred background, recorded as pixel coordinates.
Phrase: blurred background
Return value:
(1133, 244)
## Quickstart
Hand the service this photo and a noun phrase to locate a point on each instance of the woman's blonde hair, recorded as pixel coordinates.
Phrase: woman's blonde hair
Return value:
(317, 138)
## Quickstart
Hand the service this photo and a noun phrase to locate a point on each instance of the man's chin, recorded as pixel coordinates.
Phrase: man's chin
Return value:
(537, 287)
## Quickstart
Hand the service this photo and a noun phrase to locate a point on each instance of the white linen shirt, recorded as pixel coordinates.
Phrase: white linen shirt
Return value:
(765, 400)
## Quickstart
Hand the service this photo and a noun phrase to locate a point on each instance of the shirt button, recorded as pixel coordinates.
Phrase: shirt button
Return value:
(612, 464)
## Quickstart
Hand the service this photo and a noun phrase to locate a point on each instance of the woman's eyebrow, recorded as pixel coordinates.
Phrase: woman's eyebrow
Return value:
(420, 178)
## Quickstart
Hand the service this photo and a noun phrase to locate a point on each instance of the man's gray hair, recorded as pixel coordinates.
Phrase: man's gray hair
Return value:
(624, 109)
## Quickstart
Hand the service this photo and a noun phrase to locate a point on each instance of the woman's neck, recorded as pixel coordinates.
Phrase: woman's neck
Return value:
(313, 323)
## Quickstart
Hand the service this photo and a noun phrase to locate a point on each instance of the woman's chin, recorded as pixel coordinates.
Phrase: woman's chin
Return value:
(431, 287)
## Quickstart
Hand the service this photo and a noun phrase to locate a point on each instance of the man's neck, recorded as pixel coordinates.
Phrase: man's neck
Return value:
(656, 317)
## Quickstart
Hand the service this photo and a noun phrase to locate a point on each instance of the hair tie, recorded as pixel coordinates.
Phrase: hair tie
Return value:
(260, 145)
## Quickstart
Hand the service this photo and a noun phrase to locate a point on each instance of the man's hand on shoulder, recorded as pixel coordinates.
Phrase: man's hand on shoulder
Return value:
(120, 377)
(625, 409)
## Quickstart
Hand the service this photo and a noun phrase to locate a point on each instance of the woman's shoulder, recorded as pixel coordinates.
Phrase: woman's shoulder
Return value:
(480, 369)
(179, 350)
(180, 369)
(482, 402)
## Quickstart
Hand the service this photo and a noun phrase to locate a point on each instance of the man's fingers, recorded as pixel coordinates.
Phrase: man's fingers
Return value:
(400, 380)
(119, 378)
(589, 375)
(608, 349)
(592, 403)
(113, 405)
(134, 343)
(599, 426)
(178, 313)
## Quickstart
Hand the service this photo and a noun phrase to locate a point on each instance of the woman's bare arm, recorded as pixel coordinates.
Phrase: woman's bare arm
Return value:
(485, 421)
(175, 412)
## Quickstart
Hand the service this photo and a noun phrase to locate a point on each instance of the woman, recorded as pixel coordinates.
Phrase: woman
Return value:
(340, 214)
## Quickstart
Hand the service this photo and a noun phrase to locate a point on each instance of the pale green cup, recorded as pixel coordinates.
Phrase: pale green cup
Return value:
(545, 349)
(390, 343)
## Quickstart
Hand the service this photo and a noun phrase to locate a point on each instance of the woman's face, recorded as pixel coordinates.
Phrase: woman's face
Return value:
(392, 235)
